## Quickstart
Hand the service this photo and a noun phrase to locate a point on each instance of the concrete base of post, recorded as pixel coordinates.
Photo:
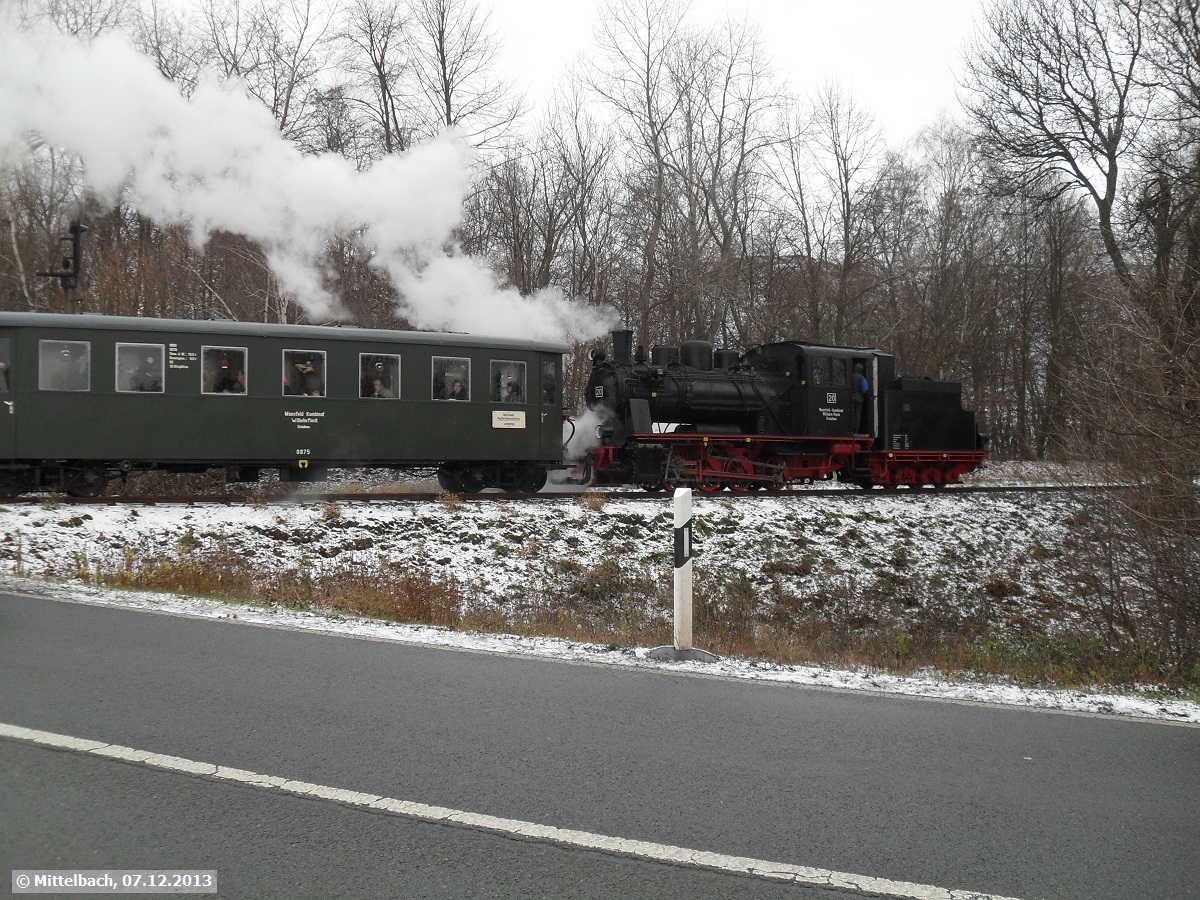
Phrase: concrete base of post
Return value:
(670, 654)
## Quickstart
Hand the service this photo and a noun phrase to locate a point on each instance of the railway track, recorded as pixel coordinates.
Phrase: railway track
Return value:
(617, 496)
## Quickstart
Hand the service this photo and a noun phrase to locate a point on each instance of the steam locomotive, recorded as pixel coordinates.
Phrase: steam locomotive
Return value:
(776, 415)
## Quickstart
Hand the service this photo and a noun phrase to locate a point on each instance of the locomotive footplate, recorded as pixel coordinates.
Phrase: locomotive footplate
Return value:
(713, 462)
(914, 468)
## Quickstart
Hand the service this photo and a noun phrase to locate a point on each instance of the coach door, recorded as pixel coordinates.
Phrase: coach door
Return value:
(8, 409)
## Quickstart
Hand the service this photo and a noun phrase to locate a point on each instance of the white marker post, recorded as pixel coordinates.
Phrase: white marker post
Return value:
(683, 568)
(683, 649)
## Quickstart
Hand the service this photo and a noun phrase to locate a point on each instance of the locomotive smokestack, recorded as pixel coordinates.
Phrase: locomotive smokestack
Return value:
(622, 347)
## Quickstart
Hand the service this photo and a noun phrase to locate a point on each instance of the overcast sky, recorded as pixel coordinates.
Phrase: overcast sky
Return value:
(899, 58)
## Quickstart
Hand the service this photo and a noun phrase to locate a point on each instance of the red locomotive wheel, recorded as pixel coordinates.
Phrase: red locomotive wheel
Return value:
(709, 479)
(738, 468)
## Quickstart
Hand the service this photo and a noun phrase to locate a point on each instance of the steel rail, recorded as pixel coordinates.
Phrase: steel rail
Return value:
(613, 495)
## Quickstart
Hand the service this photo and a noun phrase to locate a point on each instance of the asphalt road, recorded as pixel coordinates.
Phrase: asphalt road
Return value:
(998, 800)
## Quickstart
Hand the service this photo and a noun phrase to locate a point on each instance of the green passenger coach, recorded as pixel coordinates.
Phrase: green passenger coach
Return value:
(87, 397)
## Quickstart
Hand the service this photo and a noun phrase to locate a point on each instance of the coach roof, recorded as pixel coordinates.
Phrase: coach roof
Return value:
(95, 322)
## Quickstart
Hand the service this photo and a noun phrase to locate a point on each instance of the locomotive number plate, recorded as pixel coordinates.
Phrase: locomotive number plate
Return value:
(508, 418)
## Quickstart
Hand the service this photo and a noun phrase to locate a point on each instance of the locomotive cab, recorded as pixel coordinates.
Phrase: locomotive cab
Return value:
(818, 396)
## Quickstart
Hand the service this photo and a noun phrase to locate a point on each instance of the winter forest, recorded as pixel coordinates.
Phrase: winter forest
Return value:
(1041, 245)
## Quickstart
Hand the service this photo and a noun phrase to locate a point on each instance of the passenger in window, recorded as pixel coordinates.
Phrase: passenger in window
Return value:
(304, 378)
(239, 383)
(295, 379)
(145, 377)
(312, 380)
(458, 391)
(62, 372)
(380, 392)
(226, 381)
(513, 393)
(68, 373)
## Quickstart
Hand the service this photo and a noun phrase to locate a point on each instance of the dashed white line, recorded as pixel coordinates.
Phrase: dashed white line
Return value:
(586, 840)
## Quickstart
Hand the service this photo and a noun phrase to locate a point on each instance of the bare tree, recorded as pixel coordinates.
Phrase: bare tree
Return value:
(296, 36)
(377, 59)
(636, 39)
(277, 49)
(585, 151)
(829, 168)
(83, 19)
(1056, 90)
(171, 39)
(715, 151)
(231, 45)
(453, 51)
(524, 209)
(1093, 95)
(41, 195)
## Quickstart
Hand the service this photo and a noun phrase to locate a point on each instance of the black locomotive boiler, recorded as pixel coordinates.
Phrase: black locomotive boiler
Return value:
(776, 415)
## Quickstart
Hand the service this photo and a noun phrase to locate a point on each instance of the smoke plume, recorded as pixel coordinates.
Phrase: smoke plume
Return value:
(216, 161)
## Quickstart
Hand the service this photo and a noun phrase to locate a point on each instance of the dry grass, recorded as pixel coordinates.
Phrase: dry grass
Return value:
(450, 500)
(617, 605)
(593, 500)
(377, 591)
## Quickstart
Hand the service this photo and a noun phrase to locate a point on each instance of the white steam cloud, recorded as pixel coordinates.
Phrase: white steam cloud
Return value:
(216, 161)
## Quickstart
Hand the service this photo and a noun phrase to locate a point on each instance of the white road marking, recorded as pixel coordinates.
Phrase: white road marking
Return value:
(664, 853)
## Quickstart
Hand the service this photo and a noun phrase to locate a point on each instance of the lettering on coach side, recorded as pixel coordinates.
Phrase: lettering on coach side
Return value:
(303, 420)
(508, 418)
(180, 359)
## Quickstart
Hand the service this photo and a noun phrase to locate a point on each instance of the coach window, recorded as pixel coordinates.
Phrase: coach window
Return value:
(139, 368)
(508, 381)
(64, 365)
(378, 376)
(549, 383)
(451, 378)
(5, 358)
(304, 373)
(223, 370)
